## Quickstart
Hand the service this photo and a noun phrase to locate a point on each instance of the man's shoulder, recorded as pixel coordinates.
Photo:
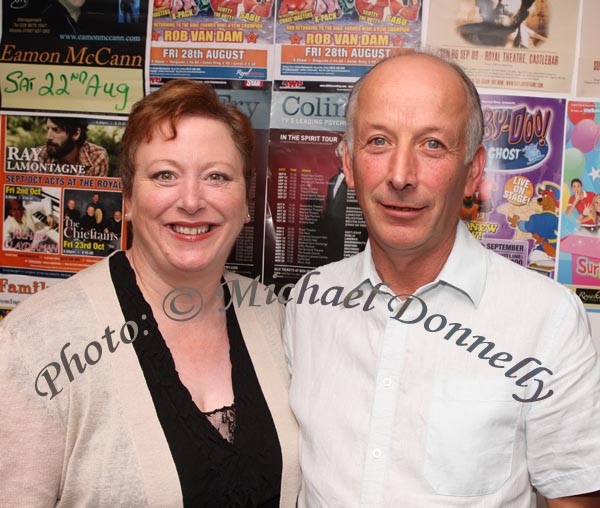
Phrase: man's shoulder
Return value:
(520, 280)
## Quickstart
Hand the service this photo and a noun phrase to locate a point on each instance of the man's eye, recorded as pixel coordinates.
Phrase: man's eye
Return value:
(434, 144)
(378, 141)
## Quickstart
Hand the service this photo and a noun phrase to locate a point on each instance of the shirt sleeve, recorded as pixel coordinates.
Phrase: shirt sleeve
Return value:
(563, 431)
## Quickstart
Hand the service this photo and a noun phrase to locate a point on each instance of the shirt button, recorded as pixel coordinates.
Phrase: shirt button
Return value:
(387, 382)
(376, 453)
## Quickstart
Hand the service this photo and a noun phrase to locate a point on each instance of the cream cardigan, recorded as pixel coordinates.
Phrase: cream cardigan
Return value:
(98, 443)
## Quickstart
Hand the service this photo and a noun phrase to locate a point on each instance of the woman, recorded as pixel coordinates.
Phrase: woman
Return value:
(135, 382)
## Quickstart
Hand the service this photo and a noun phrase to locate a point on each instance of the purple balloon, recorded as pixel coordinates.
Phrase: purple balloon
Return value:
(586, 135)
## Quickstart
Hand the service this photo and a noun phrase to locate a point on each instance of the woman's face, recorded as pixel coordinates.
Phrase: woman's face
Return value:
(188, 201)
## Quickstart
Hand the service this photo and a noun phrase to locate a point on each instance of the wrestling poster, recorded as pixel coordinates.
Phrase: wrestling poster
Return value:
(89, 58)
(516, 44)
(588, 80)
(63, 207)
(339, 40)
(579, 258)
(313, 217)
(212, 39)
(515, 211)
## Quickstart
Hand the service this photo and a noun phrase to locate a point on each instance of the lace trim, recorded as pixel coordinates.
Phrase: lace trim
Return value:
(223, 419)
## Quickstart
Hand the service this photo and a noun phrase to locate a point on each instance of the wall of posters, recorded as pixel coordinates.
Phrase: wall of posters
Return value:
(515, 211)
(526, 45)
(51, 62)
(579, 266)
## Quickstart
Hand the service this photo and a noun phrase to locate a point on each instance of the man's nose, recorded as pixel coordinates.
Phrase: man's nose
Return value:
(403, 168)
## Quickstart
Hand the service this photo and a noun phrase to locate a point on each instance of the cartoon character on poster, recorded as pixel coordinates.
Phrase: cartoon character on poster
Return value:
(541, 226)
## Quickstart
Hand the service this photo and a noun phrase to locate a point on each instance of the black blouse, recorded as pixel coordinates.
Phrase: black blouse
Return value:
(213, 472)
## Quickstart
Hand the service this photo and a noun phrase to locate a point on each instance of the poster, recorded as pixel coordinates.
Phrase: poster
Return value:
(588, 81)
(17, 284)
(517, 44)
(313, 217)
(61, 192)
(246, 258)
(88, 60)
(216, 39)
(515, 212)
(339, 40)
(579, 263)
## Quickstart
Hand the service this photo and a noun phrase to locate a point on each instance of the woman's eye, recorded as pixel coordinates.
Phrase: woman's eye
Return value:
(218, 177)
(164, 176)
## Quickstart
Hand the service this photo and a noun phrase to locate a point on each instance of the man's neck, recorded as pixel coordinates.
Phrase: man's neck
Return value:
(405, 272)
(74, 12)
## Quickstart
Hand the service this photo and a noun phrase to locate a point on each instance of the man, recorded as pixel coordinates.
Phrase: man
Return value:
(99, 213)
(483, 384)
(75, 17)
(22, 229)
(334, 214)
(66, 143)
(114, 224)
(579, 200)
(72, 212)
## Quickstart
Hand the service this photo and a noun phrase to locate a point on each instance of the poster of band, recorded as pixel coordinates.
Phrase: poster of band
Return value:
(212, 39)
(517, 44)
(89, 58)
(314, 217)
(588, 82)
(515, 211)
(339, 40)
(61, 192)
(579, 262)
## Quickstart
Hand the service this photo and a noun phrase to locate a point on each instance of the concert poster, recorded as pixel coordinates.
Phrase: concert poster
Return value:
(339, 40)
(53, 169)
(517, 44)
(579, 258)
(212, 39)
(588, 78)
(313, 217)
(515, 211)
(90, 61)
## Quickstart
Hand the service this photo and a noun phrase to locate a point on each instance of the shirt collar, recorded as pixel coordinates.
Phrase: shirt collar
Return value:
(465, 269)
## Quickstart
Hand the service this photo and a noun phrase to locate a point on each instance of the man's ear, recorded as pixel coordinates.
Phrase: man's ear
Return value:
(476, 169)
(347, 164)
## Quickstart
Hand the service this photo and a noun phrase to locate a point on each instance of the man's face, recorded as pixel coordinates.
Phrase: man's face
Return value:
(16, 210)
(95, 198)
(577, 189)
(71, 204)
(58, 141)
(117, 216)
(90, 210)
(408, 165)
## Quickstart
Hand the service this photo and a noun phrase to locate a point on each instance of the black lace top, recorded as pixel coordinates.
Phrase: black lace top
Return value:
(242, 469)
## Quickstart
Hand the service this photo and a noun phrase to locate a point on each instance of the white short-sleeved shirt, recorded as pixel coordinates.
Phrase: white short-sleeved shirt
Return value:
(425, 409)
